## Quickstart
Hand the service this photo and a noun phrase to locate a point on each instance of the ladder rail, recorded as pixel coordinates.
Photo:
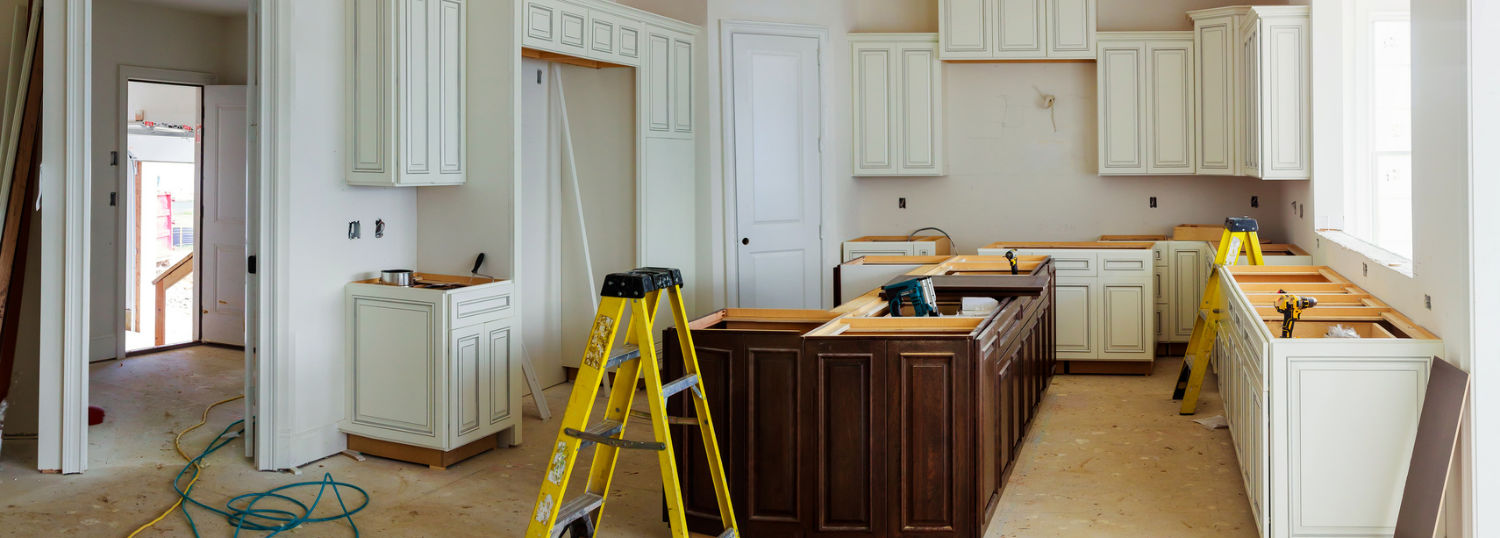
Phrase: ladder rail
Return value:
(621, 399)
(666, 458)
(1211, 312)
(700, 407)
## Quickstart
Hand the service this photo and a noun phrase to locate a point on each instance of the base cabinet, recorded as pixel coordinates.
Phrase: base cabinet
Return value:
(431, 368)
(1106, 302)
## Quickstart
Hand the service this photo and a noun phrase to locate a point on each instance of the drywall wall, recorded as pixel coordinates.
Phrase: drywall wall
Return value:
(689, 11)
(322, 258)
(1441, 235)
(144, 35)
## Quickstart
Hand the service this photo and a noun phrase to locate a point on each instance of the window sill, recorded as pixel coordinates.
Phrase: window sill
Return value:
(1379, 256)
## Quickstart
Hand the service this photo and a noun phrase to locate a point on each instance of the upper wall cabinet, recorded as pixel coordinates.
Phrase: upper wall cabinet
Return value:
(898, 110)
(668, 87)
(590, 30)
(407, 106)
(1253, 92)
(1016, 29)
(1146, 103)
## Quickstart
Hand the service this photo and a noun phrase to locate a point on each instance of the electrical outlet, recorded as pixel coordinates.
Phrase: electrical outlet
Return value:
(1366, 268)
(901, 202)
(1429, 301)
(1300, 209)
(1254, 201)
(1153, 201)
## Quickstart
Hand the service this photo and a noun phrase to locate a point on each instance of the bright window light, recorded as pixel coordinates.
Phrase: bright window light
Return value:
(1378, 206)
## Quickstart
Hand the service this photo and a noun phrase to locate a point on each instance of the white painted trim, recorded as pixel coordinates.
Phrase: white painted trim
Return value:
(1480, 503)
(272, 87)
(727, 30)
(126, 74)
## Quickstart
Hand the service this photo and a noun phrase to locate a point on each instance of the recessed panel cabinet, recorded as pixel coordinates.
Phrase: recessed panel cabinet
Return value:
(898, 112)
(1016, 29)
(584, 29)
(668, 82)
(1106, 301)
(1146, 112)
(407, 105)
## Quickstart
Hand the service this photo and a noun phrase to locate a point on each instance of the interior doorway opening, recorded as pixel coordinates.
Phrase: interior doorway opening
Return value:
(164, 128)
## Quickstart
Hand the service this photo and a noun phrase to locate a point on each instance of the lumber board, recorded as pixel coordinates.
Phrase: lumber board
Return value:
(1091, 245)
(566, 59)
(16, 234)
(1433, 452)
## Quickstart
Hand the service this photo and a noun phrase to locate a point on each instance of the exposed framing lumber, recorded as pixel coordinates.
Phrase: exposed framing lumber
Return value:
(161, 283)
(14, 242)
(565, 59)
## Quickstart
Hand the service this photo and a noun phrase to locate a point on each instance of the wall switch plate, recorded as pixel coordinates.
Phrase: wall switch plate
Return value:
(1153, 201)
(1366, 268)
(901, 203)
(1254, 201)
(1429, 301)
(354, 229)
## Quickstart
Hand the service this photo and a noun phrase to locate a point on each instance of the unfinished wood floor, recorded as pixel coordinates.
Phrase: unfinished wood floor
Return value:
(1108, 456)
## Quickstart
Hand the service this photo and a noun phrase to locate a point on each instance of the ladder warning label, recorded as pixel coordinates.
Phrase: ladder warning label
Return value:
(598, 340)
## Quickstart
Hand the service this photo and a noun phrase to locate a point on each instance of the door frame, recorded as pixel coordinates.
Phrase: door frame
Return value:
(727, 30)
(65, 186)
(135, 73)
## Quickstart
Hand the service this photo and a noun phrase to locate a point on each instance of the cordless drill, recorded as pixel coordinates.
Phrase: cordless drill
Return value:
(1291, 307)
(1010, 255)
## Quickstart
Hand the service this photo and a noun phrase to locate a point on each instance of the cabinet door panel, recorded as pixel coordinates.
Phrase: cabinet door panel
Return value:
(658, 82)
(1075, 331)
(1121, 108)
(396, 368)
(1021, 32)
(1169, 76)
(628, 42)
(682, 85)
(603, 31)
(465, 357)
(927, 435)
(541, 24)
(1287, 110)
(501, 370)
(1216, 52)
(773, 424)
(450, 89)
(964, 28)
(1070, 28)
(573, 30)
(415, 80)
(1188, 283)
(1250, 96)
(874, 109)
(920, 128)
(1125, 308)
(849, 410)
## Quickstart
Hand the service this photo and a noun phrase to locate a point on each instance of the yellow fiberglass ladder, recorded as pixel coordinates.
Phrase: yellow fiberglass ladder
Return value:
(1241, 234)
(641, 290)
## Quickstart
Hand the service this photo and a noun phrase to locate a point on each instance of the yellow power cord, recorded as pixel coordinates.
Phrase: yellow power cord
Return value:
(177, 444)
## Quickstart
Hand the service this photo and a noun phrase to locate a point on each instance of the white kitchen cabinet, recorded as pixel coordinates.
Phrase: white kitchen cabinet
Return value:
(429, 368)
(1145, 84)
(897, 245)
(668, 82)
(1323, 428)
(1253, 83)
(407, 106)
(1106, 307)
(898, 112)
(588, 29)
(1016, 29)
(1188, 276)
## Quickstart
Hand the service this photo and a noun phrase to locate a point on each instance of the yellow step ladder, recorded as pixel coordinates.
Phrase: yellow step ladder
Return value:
(641, 290)
(1240, 235)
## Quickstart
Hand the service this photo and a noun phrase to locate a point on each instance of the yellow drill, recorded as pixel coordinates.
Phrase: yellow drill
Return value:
(1291, 307)
(1010, 255)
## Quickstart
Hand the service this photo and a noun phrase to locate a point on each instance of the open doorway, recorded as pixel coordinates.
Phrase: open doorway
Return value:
(164, 122)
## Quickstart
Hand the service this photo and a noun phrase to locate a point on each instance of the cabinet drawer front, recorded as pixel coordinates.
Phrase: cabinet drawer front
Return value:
(1126, 265)
(1071, 262)
(468, 310)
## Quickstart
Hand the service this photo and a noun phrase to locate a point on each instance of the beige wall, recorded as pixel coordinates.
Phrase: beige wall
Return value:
(144, 35)
(689, 11)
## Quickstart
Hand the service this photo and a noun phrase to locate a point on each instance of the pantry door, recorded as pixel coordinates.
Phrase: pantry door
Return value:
(773, 128)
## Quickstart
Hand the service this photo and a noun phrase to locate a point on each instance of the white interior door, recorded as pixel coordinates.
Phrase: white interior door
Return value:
(221, 246)
(777, 169)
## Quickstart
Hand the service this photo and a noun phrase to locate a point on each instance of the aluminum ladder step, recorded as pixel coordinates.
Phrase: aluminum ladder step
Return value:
(577, 507)
(680, 384)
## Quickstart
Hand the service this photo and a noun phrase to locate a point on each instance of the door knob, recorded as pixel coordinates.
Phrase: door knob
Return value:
(745, 241)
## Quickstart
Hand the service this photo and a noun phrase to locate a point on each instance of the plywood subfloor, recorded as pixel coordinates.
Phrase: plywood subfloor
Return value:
(1108, 456)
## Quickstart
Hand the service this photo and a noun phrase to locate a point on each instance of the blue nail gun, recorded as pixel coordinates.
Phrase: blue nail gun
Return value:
(917, 291)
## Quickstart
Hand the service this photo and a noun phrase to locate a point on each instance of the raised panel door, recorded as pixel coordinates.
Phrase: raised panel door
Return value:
(1187, 283)
(1075, 318)
(370, 75)
(928, 436)
(682, 85)
(1286, 114)
(500, 369)
(847, 442)
(874, 109)
(466, 353)
(572, 29)
(658, 65)
(919, 103)
(1250, 124)
(1125, 309)
(1216, 88)
(396, 369)
(1070, 28)
(1020, 31)
(603, 36)
(1122, 122)
(1169, 100)
(415, 79)
(964, 27)
(541, 24)
(628, 42)
(450, 27)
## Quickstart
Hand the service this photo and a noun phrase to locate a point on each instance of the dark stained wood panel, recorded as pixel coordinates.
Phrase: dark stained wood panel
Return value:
(715, 365)
(771, 441)
(850, 477)
(924, 439)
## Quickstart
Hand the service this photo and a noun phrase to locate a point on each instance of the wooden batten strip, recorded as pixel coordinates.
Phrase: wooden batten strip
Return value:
(566, 59)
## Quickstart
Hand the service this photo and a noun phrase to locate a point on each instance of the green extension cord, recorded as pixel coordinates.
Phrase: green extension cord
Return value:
(241, 512)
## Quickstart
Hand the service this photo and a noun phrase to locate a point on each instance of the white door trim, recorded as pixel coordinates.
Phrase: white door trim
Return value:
(122, 214)
(65, 185)
(727, 30)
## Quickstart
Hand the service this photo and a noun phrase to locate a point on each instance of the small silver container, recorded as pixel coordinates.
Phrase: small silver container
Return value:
(396, 277)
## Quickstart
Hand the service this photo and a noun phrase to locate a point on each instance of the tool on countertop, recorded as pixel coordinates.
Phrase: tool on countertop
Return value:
(1010, 256)
(1291, 307)
(479, 261)
(642, 290)
(1240, 234)
(917, 291)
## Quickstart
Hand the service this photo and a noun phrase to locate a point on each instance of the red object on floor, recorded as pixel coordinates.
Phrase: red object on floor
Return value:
(96, 415)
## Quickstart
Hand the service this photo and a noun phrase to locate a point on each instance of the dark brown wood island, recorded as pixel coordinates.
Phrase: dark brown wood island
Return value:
(851, 423)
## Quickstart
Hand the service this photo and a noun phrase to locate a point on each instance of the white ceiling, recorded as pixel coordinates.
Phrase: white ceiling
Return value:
(216, 7)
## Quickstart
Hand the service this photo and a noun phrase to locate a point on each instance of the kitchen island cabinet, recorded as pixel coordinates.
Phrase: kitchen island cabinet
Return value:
(853, 423)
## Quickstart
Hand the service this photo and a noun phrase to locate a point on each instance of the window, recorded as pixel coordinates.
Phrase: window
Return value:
(1377, 187)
